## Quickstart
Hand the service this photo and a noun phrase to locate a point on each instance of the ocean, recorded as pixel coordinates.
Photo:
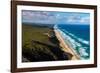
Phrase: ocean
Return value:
(78, 36)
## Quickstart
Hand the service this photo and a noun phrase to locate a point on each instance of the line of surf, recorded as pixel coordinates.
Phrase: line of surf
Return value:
(73, 43)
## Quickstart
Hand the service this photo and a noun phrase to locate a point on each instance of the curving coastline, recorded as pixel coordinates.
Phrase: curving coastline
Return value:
(66, 47)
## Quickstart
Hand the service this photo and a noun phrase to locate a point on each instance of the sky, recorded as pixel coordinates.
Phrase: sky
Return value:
(47, 17)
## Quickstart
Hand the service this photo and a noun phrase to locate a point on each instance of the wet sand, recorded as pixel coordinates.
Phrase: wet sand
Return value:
(65, 47)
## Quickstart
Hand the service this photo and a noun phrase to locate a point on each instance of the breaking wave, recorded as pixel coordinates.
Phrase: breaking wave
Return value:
(77, 38)
(78, 44)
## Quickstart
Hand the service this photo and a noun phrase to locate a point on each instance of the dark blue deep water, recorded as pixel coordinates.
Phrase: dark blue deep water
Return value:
(78, 36)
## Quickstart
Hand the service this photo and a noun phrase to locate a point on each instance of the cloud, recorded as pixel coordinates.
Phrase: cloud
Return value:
(85, 20)
(78, 20)
(54, 17)
(38, 17)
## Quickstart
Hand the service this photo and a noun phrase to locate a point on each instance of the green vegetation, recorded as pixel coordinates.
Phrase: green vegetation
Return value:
(40, 44)
(30, 33)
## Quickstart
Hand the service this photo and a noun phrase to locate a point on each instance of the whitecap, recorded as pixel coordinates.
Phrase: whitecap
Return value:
(83, 52)
(73, 43)
(79, 39)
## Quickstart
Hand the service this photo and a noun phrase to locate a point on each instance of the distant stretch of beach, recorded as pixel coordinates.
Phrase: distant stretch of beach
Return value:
(65, 47)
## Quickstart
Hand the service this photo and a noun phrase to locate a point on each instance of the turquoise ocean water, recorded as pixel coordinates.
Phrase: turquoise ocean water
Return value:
(77, 36)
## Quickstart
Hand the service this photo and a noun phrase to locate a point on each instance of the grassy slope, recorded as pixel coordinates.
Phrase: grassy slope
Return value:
(39, 47)
(34, 33)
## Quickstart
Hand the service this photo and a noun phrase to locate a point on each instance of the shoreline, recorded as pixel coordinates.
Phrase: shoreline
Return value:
(66, 47)
(43, 46)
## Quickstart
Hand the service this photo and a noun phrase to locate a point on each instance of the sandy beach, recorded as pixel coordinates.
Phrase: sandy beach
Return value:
(65, 47)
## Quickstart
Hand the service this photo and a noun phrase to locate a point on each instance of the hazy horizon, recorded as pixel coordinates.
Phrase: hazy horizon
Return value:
(50, 17)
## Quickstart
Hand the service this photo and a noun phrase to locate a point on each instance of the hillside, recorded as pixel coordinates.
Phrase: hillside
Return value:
(40, 44)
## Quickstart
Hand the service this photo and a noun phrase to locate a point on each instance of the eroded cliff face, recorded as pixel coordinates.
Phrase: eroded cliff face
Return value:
(40, 44)
(40, 51)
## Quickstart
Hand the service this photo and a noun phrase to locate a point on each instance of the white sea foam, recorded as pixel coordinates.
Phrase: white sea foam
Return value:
(83, 52)
(83, 41)
(79, 39)
(71, 42)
